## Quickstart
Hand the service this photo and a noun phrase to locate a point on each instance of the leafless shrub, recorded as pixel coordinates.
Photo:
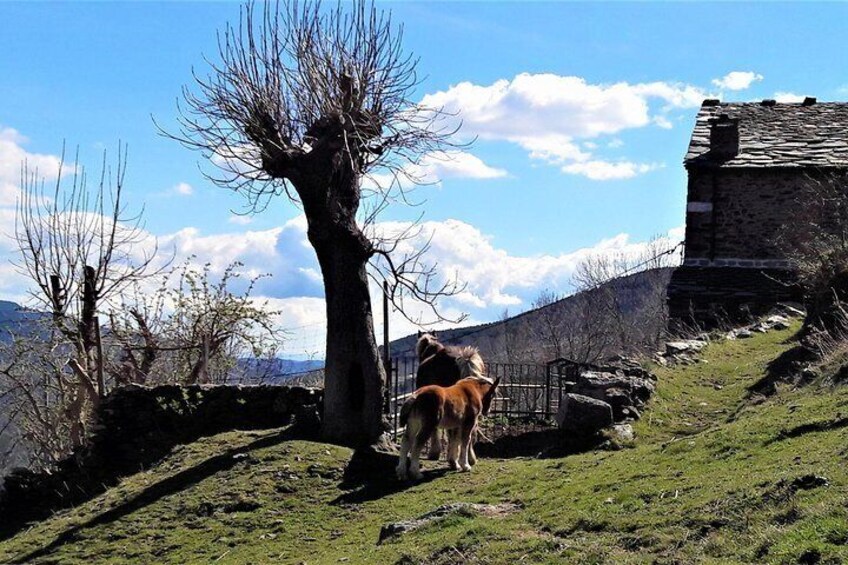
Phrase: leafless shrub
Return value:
(194, 329)
(816, 244)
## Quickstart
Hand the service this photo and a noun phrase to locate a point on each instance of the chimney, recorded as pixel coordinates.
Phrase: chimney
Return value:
(724, 137)
(808, 101)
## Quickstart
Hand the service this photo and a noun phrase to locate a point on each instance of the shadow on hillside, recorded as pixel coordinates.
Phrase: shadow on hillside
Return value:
(786, 368)
(370, 475)
(809, 428)
(536, 443)
(157, 491)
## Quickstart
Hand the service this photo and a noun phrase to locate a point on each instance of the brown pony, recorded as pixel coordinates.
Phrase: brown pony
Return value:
(456, 409)
(444, 365)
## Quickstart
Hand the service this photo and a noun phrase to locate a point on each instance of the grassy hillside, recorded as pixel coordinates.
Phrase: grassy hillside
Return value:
(712, 478)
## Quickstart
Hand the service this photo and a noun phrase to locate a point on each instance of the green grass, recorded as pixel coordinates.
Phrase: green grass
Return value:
(707, 482)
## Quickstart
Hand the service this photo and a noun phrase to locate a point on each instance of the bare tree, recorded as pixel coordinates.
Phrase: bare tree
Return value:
(549, 330)
(81, 249)
(634, 319)
(317, 105)
(44, 407)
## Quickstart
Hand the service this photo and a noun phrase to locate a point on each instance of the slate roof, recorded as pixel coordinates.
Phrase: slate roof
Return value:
(776, 135)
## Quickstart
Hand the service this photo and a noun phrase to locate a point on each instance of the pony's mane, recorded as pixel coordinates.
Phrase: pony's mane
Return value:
(469, 361)
(481, 378)
(425, 341)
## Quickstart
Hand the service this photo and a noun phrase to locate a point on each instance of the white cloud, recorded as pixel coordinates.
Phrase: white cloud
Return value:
(553, 148)
(788, 97)
(737, 80)
(494, 278)
(13, 156)
(240, 219)
(546, 113)
(297, 311)
(531, 106)
(250, 247)
(663, 122)
(432, 169)
(605, 170)
(457, 164)
(183, 189)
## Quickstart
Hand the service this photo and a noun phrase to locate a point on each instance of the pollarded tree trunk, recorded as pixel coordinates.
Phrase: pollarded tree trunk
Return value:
(353, 372)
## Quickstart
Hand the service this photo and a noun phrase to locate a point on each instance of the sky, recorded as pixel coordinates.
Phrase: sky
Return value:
(578, 116)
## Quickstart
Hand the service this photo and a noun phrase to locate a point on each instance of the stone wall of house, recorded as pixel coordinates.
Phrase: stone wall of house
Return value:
(733, 265)
(710, 296)
(734, 215)
(136, 426)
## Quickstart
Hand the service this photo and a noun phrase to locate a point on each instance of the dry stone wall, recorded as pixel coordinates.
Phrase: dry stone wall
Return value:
(136, 426)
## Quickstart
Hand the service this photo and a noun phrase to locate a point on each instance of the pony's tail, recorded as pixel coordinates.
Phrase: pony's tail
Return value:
(405, 410)
(470, 363)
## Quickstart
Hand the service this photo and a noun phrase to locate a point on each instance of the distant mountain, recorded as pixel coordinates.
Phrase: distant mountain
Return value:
(579, 326)
(278, 370)
(17, 320)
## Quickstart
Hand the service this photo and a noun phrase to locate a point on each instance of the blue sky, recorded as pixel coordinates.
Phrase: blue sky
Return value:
(582, 113)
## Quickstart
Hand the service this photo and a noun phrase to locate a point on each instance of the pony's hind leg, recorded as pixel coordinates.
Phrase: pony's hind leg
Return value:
(420, 433)
(435, 446)
(465, 447)
(400, 470)
(453, 448)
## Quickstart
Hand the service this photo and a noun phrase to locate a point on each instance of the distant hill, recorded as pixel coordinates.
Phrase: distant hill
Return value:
(580, 326)
(278, 370)
(15, 319)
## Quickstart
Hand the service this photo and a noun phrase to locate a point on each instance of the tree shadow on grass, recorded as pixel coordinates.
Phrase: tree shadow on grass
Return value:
(534, 443)
(157, 491)
(370, 475)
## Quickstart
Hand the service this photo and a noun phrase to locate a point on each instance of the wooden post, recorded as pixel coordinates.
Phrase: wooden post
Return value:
(56, 294)
(89, 307)
(204, 372)
(101, 387)
(387, 359)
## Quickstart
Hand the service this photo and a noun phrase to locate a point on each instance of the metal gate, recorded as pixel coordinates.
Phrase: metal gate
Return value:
(528, 395)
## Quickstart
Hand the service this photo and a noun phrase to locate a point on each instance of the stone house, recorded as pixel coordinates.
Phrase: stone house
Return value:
(747, 163)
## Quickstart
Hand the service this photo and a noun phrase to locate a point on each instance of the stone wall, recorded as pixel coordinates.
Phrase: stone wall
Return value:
(710, 296)
(733, 264)
(136, 426)
(735, 214)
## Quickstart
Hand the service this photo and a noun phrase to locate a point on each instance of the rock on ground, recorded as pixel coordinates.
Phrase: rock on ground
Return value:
(684, 346)
(583, 415)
